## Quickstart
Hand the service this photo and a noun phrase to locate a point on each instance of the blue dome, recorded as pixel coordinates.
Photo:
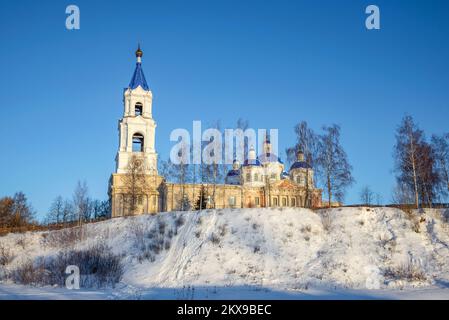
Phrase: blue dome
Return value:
(233, 177)
(233, 173)
(300, 165)
(249, 162)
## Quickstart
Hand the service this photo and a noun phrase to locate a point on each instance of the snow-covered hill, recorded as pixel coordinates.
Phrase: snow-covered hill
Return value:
(291, 250)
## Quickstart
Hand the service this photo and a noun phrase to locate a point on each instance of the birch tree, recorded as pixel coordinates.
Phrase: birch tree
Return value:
(440, 147)
(367, 196)
(335, 170)
(407, 162)
(428, 178)
(81, 202)
(56, 212)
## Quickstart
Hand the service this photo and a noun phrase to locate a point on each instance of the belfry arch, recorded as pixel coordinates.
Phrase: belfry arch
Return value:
(138, 141)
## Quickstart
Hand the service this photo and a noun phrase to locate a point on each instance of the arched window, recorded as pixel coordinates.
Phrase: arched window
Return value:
(137, 142)
(293, 201)
(138, 109)
(248, 177)
(256, 177)
(284, 202)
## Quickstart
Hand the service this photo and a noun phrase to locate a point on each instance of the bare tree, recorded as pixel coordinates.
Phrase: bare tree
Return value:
(215, 169)
(6, 209)
(440, 147)
(367, 196)
(193, 174)
(244, 145)
(68, 212)
(16, 211)
(307, 142)
(379, 199)
(134, 184)
(429, 179)
(201, 202)
(335, 170)
(210, 172)
(100, 209)
(56, 212)
(408, 139)
(81, 202)
(402, 194)
(181, 172)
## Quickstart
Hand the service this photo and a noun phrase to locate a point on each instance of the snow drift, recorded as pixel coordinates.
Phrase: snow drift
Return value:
(289, 249)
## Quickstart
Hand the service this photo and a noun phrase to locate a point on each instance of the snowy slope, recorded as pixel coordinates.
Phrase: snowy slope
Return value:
(292, 250)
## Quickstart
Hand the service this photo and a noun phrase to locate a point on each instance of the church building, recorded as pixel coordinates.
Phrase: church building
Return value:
(136, 187)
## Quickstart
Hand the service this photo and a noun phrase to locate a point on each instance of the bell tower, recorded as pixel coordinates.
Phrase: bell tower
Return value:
(135, 186)
(137, 127)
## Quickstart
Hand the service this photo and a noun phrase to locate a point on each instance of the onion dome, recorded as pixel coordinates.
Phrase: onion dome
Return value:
(300, 162)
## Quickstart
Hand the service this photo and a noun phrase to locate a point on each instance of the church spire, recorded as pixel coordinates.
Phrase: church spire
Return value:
(138, 78)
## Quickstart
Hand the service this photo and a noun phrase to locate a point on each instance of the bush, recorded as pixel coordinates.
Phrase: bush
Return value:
(222, 230)
(21, 242)
(5, 255)
(409, 271)
(147, 254)
(98, 266)
(161, 226)
(416, 225)
(138, 230)
(157, 239)
(414, 219)
(215, 239)
(64, 238)
(179, 221)
(29, 273)
(307, 228)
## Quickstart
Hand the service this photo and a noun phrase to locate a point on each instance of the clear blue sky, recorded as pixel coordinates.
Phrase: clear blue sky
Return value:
(273, 62)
